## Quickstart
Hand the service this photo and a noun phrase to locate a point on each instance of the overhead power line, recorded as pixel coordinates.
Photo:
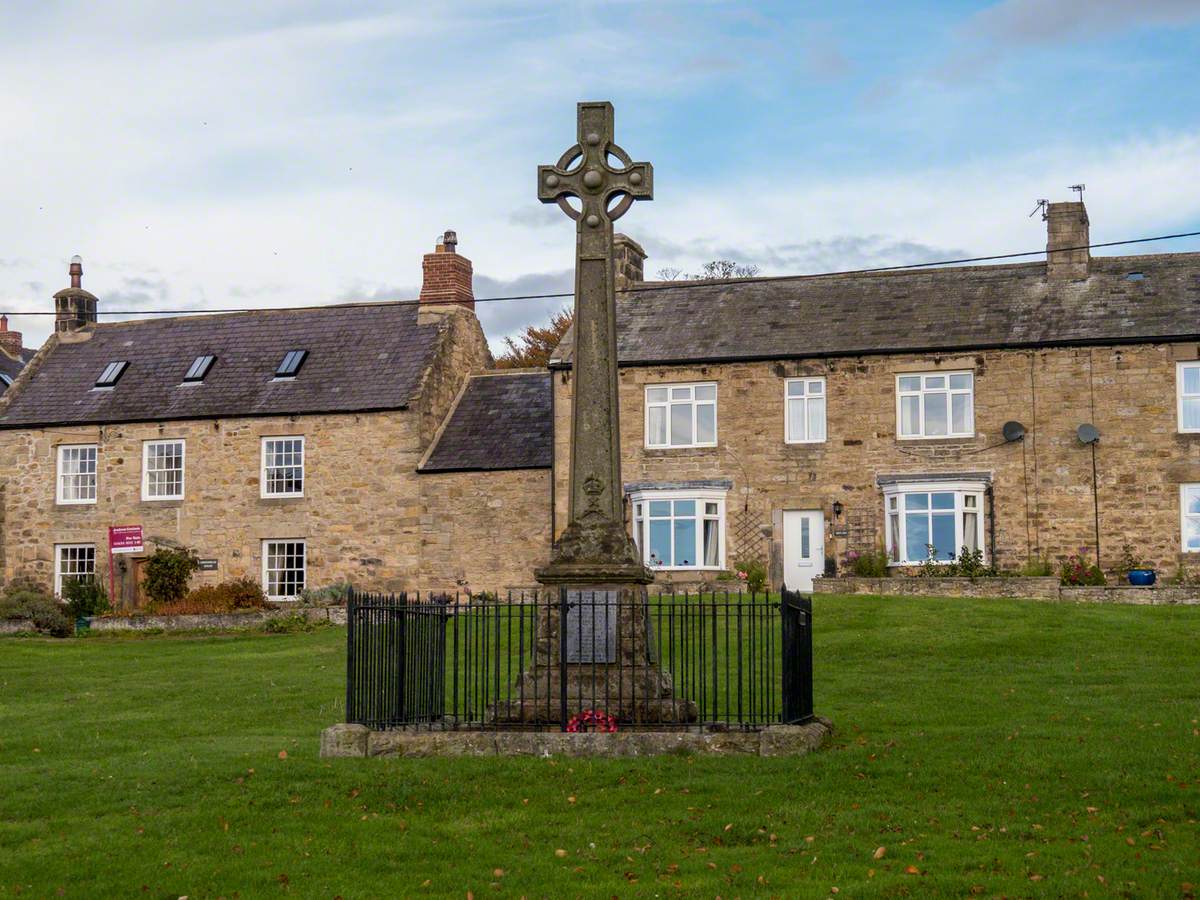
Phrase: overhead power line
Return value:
(654, 286)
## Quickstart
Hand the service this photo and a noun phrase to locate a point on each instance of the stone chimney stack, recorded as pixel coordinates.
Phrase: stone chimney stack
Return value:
(74, 308)
(629, 260)
(447, 276)
(9, 340)
(1067, 228)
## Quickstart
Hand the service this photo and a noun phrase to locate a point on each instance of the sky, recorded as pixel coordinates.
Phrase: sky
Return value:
(271, 153)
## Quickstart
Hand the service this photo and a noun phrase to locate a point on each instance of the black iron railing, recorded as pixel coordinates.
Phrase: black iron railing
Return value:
(717, 661)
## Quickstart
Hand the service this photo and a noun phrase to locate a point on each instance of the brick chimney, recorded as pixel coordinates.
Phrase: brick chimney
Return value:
(1067, 227)
(9, 340)
(447, 276)
(629, 260)
(74, 308)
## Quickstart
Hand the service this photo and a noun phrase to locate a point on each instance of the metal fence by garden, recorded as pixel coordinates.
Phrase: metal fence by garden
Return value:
(720, 661)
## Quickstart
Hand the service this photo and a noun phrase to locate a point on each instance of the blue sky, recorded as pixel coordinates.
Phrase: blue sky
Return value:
(297, 153)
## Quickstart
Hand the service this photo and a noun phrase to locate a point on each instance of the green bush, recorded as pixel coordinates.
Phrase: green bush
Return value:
(1076, 572)
(85, 597)
(753, 572)
(1038, 567)
(168, 571)
(24, 600)
(331, 595)
(872, 564)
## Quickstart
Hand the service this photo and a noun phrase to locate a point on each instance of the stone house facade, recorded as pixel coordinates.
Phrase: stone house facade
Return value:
(280, 445)
(801, 421)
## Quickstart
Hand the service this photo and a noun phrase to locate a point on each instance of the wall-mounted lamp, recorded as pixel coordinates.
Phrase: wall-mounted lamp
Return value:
(837, 509)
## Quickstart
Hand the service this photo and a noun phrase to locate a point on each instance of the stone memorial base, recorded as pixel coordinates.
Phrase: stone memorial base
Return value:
(603, 655)
(775, 740)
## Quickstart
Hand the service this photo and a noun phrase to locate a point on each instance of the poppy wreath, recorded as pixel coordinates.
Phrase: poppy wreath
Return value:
(592, 720)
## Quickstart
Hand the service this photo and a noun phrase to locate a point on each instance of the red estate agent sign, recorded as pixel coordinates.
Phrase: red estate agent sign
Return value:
(121, 539)
(125, 539)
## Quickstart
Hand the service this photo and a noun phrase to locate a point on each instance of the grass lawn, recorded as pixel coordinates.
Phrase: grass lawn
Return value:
(997, 747)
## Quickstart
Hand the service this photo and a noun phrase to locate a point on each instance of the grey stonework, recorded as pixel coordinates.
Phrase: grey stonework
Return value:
(777, 740)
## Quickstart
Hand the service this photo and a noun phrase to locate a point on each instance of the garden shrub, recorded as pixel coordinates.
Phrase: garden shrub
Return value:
(24, 599)
(85, 597)
(331, 595)
(1076, 572)
(226, 597)
(753, 572)
(872, 564)
(168, 571)
(1038, 567)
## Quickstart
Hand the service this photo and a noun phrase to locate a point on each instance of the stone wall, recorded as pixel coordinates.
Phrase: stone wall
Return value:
(1019, 587)
(1042, 486)
(484, 531)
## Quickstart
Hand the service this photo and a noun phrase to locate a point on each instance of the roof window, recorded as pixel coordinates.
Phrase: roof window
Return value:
(112, 374)
(199, 368)
(1136, 276)
(292, 361)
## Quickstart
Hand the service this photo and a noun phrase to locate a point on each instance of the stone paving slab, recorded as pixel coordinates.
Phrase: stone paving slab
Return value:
(345, 740)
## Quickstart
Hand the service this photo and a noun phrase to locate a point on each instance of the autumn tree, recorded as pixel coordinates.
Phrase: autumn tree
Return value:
(533, 346)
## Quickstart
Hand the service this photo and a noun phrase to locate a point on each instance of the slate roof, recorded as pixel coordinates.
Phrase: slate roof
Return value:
(500, 422)
(936, 309)
(367, 356)
(11, 366)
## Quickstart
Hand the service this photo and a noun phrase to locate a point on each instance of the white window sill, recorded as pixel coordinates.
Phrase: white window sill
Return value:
(281, 496)
(685, 568)
(680, 446)
(936, 437)
(158, 499)
(76, 502)
(809, 443)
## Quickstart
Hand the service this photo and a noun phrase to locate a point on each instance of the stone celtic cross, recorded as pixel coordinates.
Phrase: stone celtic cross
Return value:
(595, 535)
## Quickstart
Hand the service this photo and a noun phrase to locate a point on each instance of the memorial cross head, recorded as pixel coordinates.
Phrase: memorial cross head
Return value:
(584, 172)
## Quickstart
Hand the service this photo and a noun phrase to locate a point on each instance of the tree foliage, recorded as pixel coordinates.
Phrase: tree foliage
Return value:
(168, 571)
(533, 346)
(716, 270)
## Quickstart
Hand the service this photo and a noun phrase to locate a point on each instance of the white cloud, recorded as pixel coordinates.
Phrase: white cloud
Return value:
(1048, 21)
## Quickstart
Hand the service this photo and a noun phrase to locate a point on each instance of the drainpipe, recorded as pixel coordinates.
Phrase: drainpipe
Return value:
(991, 501)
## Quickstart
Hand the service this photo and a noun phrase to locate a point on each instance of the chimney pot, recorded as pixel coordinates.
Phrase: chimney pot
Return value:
(9, 340)
(76, 271)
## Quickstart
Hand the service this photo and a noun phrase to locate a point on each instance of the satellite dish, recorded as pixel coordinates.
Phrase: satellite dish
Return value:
(1088, 433)
(1013, 431)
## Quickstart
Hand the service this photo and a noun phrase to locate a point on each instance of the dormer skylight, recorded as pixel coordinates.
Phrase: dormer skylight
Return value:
(1136, 276)
(292, 361)
(199, 369)
(112, 374)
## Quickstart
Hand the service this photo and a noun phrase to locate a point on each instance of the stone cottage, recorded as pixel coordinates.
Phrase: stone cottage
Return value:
(282, 445)
(799, 420)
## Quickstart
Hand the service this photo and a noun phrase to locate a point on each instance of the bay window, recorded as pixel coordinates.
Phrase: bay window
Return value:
(925, 520)
(680, 529)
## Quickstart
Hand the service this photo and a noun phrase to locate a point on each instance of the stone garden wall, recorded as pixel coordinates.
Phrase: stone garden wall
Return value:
(1018, 587)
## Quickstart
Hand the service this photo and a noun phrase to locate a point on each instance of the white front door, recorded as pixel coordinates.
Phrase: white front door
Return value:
(803, 548)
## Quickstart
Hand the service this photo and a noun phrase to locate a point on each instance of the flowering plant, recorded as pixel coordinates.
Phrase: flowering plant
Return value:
(598, 719)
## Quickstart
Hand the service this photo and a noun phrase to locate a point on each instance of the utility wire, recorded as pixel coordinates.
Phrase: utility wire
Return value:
(654, 286)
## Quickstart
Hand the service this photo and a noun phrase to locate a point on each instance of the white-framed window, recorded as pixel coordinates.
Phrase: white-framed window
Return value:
(682, 529)
(681, 415)
(282, 467)
(804, 421)
(284, 568)
(73, 561)
(162, 470)
(1187, 392)
(77, 473)
(947, 515)
(1189, 517)
(935, 405)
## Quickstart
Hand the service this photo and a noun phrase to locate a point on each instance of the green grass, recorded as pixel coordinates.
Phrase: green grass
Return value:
(1002, 747)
